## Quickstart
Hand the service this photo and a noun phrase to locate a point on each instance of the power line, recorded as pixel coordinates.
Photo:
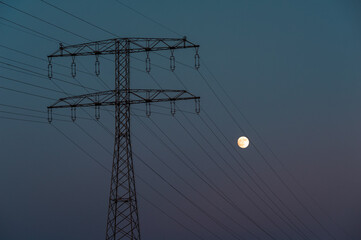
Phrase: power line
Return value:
(268, 164)
(73, 142)
(30, 94)
(81, 19)
(297, 229)
(166, 214)
(152, 20)
(270, 149)
(22, 26)
(32, 66)
(224, 172)
(280, 209)
(148, 18)
(36, 74)
(187, 183)
(253, 180)
(22, 120)
(23, 31)
(42, 20)
(108, 171)
(287, 221)
(109, 153)
(189, 200)
(41, 59)
(39, 111)
(81, 149)
(205, 178)
(29, 84)
(260, 178)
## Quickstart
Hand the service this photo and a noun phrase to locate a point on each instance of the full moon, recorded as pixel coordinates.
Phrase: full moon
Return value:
(243, 142)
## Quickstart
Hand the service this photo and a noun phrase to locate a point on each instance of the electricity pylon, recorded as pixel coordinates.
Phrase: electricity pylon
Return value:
(122, 220)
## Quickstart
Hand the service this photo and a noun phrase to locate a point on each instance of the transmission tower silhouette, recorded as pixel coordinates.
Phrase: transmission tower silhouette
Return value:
(123, 217)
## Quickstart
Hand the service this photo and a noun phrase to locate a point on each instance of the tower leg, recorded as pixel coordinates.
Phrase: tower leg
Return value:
(123, 220)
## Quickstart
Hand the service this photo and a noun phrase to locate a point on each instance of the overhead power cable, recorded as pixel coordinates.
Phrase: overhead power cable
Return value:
(22, 26)
(81, 19)
(271, 151)
(277, 212)
(268, 164)
(70, 139)
(232, 181)
(294, 227)
(108, 171)
(37, 74)
(280, 209)
(39, 111)
(42, 20)
(148, 18)
(162, 195)
(187, 183)
(26, 93)
(165, 27)
(288, 220)
(29, 84)
(201, 175)
(227, 229)
(24, 31)
(23, 120)
(30, 115)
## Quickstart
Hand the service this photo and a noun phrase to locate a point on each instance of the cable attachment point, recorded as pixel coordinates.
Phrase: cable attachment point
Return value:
(73, 113)
(50, 68)
(172, 108)
(50, 115)
(61, 47)
(172, 60)
(197, 62)
(198, 105)
(73, 67)
(97, 65)
(147, 62)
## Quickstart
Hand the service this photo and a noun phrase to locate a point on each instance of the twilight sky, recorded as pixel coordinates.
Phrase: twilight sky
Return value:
(290, 67)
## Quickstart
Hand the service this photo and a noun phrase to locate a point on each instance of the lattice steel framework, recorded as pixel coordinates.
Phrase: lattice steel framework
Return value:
(123, 218)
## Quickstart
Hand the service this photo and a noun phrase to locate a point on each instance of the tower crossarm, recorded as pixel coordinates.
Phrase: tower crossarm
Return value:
(136, 45)
(137, 96)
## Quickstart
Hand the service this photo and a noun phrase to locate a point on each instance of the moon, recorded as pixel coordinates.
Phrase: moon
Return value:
(243, 142)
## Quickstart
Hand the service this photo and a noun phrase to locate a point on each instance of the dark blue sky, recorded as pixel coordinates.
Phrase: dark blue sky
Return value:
(291, 67)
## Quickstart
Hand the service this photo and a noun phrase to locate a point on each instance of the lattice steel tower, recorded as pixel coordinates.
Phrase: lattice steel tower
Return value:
(123, 219)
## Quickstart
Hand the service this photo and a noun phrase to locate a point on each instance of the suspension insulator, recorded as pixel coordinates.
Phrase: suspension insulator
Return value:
(73, 68)
(50, 69)
(147, 109)
(50, 115)
(197, 62)
(172, 61)
(97, 112)
(97, 65)
(172, 108)
(147, 63)
(73, 113)
(198, 106)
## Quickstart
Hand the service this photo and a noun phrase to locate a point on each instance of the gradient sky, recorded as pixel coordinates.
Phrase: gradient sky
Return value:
(292, 68)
